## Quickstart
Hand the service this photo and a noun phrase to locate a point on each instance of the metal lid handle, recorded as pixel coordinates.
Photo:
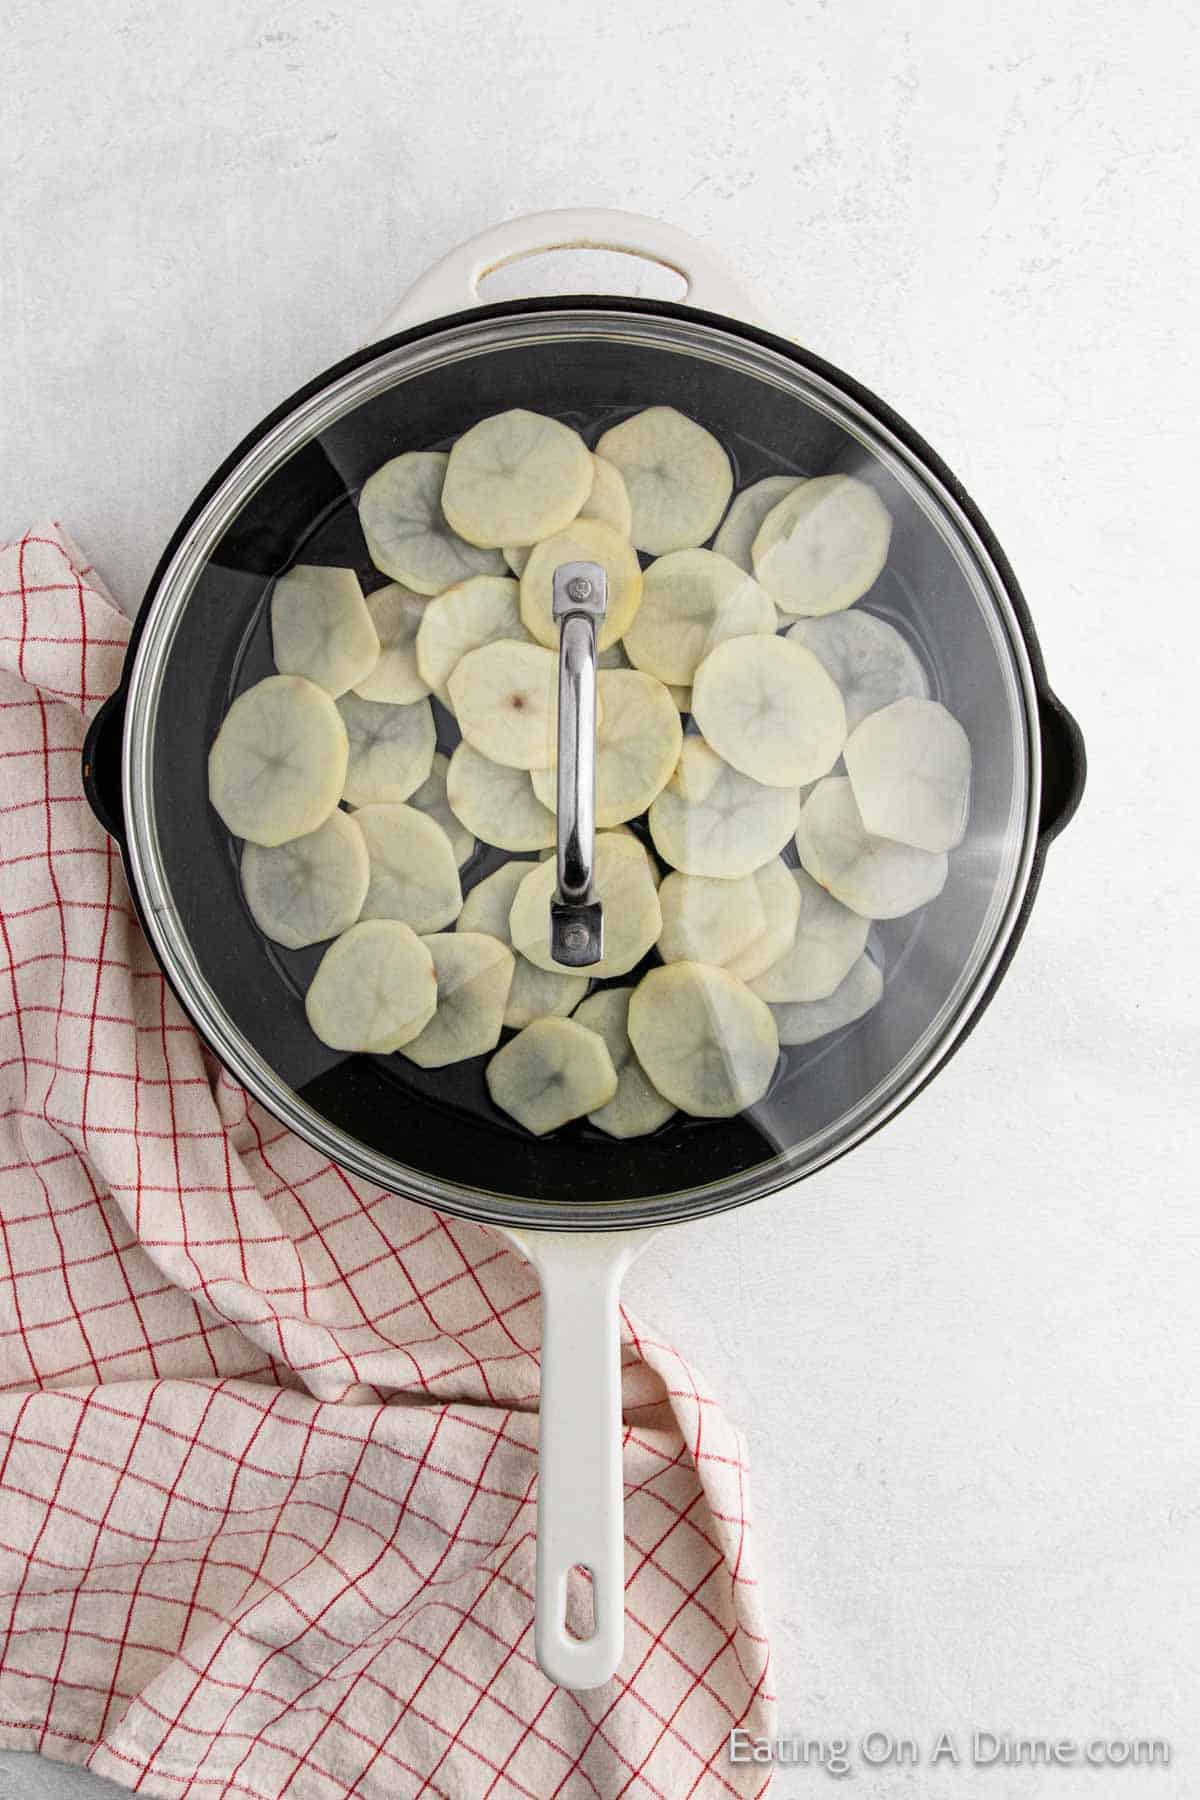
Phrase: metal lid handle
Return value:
(576, 917)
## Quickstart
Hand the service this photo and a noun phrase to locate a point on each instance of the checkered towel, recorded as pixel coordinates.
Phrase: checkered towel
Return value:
(267, 1434)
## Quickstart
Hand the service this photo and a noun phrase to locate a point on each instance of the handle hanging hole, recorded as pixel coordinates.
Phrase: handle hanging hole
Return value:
(580, 1618)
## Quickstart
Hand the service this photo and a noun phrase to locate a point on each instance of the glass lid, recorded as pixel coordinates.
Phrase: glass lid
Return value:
(816, 757)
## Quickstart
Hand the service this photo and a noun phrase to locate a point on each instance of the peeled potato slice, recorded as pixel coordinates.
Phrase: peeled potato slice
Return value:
(505, 697)
(310, 888)
(408, 537)
(483, 611)
(710, 819)
(278, 763)
(637, 746)
(608, 502)
(431, 798)
(489, 902)
(706, 1042)
(867, 658)
(414, 877)
(769, 708)
(823, 546)
(804, 1021)
(321, 627)
(677, 476)
(535, 993)
(374, 989)
(910, 768)
(499, 804)
(828, 941)
(739, 527)
(632, 916)
(682, 696)
(691, 601)
(637, 1106)
(396, 612)
(553, 1071)
(873, 876)
(779, 898)
(586, 540)
(515, 478)
(391, 749)
(474, 974)
(707, 920)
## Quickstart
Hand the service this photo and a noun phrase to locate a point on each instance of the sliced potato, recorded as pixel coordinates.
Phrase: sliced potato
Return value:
(632, 916)
(692, 600)
(739, 528)
(499, 804)
(321, 627)
(706, 1042)
(553, 1071)
(779, 898)
(505, 697)
(637, 746)
(391, 749)
(586, 540)
(486, 610)
(310, 888)
(474, 974)
(278, 763)
(910, 768)
(867, 658)
(676, 474)
(515, 478)
(770, 709)
(535, 993)
(708, 920)
(396, 613)
(710, 819)
(431, 798)
(488, 904)
(407, 533)
(652, 868)
(804, 1021)
(682, 696)
(637, 1107)
(374, 989)
(608, 502)
(414, 876)
(873, 876)
(828, 941)
(823, 546)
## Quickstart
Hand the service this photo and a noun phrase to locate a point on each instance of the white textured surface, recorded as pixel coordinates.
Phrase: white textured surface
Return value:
(966, 1357)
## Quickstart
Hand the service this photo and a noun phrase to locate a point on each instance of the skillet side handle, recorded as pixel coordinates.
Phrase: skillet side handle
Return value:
(1064, 767)
(581, 1493)
(102, 765)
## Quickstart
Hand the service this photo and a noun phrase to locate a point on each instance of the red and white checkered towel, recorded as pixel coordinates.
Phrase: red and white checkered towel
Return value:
(267, 1434)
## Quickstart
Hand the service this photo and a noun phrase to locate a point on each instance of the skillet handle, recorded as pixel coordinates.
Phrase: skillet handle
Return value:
(581, 1494)
(102, 765)
(453, 283)
(1064, 766)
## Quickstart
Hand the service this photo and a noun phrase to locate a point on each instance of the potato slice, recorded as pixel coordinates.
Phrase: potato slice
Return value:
(741, 523)
(873, 876)
(474, 974)
(637, 1107)
(431, 798)
(677, 476)
(828, 941)
(586, 540)
(408, 537)
(708, 920)
(770, 709)
(505, 697)
(515, 478)
(310, 888)
(682, 696)
(692, 600)
(823, 546)
(488, 904)
(486, 610)
(498, 804)
(278, 763)
(321, 627)
(867, 658)
(910, 768)
(414, 877)
(637, 746)
(608, 502)
(710, 819)
(553, 1071)
(374, 989)
(391, 749)
(396, 612)
(779, 898)
(803, 1022)
(706, 1042)
(632, 916)
(535, 993)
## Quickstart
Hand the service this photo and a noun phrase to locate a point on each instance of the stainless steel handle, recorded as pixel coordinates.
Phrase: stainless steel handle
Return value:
(576, 915)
